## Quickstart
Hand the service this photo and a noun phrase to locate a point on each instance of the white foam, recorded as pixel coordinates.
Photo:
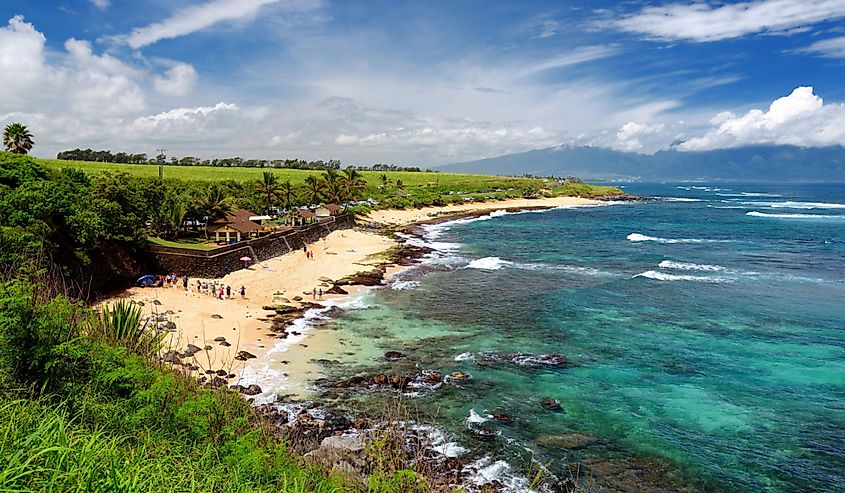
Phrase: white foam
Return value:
(465, 357)
(637, 237)
(662, 276)
(488, 263)
(678, 199)
(485, 470)
(475, 418)
(670, 264)
(793, 216)
(748, 194)
(400, 285)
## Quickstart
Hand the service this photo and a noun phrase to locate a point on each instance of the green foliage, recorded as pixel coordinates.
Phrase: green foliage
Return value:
(120, 325)
(17, 139)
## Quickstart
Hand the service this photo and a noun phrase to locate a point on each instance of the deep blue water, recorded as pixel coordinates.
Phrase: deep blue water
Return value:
(708, 332)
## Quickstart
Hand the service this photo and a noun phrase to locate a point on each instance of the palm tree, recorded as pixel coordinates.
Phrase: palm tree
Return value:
(287, 192)
(269, 188)
(353, 183)
(313, 189)
(335, 191)
(384, 180)
(214, 204)
(399, 184)
(16, 138)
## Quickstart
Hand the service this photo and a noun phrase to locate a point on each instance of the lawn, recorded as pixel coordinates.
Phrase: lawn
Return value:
(191, 243)
(297, 177)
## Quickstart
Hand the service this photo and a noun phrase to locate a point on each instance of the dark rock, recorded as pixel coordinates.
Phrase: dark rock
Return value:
(244, 355)
(218, 382)
(269, 308)
(393, 355)
(171, 357)
(140, 303)
(459, 375)
(191, 350)
(231, 375)
(297, 298)
(550, 404)
(221, 373)
(210, 372)
(225, 344)
(380, 379)
(569, 440)
(502, 418)
(219, 339)
(156, 302)
(433, 377)
(218, 317)
(349, 382)
(252, 390)
(336, 290)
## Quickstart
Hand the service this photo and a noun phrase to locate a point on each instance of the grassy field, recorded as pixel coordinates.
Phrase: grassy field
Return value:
(297, 177)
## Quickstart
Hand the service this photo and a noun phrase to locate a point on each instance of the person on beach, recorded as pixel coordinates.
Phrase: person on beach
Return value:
(185, 282)
(229, 292)
(221, 291)
(314, 294)
(199, 286)
(243, 292)
(320, 294)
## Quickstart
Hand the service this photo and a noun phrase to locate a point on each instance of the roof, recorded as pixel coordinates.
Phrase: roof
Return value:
(307, 214)
(332, 207)
(238, 220)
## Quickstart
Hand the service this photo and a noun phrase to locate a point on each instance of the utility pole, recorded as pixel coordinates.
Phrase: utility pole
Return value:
(160, 152)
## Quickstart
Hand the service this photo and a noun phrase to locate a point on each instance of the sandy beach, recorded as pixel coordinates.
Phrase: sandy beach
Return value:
(201, 318)
(408, 216)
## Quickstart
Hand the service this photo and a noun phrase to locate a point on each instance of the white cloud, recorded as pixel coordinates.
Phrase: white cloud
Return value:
(628, 138)
(829, 48)
(23, 72)
(704, 22)
(199, 17)
(800, 119)
(179, 81)
(101, 4)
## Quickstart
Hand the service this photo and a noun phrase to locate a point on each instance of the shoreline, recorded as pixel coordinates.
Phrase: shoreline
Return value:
(246, 325)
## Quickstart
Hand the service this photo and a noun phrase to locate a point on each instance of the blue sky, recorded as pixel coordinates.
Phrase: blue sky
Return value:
(421, 83)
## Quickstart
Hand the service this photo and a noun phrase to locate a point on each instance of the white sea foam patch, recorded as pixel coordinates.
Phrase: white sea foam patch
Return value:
(794, 216)
(474, 418)
(637, 237)
(663, 276)
(678, 199)
(671, 264)
(486, 470)
(488, 263)
(748, 194)
(465, 357)
(790, 204)
(401, 285)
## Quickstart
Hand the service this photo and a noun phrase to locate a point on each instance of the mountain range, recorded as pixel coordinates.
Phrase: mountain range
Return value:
(754, 163)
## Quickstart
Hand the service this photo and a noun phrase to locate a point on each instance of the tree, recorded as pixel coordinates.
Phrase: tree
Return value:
(313, 189)
(384, 180)
(268, 187)
(16, 138)
(214, 204)
(399, 184)
(353, 183)
(287, 192)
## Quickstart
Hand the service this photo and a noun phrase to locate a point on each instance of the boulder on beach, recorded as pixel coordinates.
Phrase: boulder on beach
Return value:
(191, 350)
(216, 316)
(171, 357)
(244, 355)
(393, 355)
(225, 343)
(219, 339)
(336, 290)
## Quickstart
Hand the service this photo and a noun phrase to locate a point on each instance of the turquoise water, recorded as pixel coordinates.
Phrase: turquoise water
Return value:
(708, 332)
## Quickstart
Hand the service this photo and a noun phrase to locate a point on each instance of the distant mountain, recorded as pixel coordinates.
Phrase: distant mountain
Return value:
(755, 163)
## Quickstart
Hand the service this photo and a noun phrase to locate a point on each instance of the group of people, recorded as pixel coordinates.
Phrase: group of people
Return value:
(218, 290)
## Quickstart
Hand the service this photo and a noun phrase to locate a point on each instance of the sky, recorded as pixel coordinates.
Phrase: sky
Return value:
(420, 82)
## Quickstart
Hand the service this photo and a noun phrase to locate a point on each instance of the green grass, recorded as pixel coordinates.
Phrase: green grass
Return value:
(192, 243)
(297, 177)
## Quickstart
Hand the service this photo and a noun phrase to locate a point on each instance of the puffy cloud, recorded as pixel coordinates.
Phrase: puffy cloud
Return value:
(179, 81)
(199, 17)
(101, 84)
(101, 4)
(23, 73)
(629, 137)
(193, 124)
(800, 119)
(703, 22)
(829, 48)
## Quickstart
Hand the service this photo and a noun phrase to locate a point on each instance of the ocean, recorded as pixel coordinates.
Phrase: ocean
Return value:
(704, 336)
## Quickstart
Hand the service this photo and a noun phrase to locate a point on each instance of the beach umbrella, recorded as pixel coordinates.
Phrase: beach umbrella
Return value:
(146, 280)
(246, 259)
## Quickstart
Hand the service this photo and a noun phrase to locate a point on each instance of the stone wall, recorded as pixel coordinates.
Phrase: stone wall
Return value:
(213, 264)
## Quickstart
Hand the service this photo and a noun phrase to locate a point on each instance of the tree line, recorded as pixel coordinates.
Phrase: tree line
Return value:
(106, 156)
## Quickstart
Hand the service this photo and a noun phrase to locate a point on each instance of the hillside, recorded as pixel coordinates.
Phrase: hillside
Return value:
(758, 163)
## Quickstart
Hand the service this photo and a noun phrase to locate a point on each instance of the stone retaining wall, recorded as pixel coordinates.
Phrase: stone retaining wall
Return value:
(213, 264)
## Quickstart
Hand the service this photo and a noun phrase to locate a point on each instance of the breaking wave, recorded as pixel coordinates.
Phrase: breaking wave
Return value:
(637, 237)
(671, 264)
(663, 276)
(793, 216)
